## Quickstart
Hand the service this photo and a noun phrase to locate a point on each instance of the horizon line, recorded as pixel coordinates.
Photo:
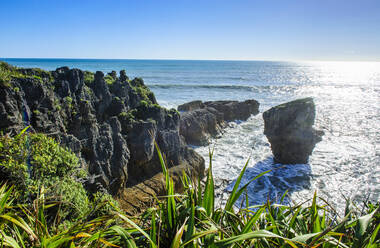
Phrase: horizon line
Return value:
(181, 59)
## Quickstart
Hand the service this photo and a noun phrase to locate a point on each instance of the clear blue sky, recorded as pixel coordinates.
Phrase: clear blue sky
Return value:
(191, 29)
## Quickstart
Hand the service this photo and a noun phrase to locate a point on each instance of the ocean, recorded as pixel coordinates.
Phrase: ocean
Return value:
(345, 164)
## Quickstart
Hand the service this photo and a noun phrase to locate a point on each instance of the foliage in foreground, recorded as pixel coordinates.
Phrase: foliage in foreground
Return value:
(36, 164)
(189, 219)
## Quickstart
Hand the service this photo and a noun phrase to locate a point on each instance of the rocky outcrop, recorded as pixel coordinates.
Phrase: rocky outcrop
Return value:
(289, 130)
(140, 196)
(110, 122)
(200, 121)
(190, 106)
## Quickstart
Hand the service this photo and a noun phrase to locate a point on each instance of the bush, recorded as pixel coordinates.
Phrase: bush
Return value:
(34, 161)
(6, 72)
(73, 198)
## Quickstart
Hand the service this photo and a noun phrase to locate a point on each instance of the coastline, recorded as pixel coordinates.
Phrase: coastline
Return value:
(90, 216)
(336, 162)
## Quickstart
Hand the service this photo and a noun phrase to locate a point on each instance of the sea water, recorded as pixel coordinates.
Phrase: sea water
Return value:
(345, 164)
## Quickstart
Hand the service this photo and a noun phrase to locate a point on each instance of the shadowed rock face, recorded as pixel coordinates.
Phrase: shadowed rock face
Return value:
(110, 122)
(289, 130)
(202, 120)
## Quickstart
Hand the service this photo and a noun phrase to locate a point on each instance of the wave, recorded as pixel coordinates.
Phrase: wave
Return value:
(253, 87)
(202, 86)
(199, 77)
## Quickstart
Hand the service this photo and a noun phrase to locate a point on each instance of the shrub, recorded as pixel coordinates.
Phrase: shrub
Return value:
(6, 73)
(34, 161)
(73, 197)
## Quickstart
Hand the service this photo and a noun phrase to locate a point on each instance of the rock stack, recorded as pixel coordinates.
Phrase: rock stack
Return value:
(289, 129)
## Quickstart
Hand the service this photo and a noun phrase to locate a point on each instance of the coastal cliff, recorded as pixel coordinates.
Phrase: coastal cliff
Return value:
(110, 122)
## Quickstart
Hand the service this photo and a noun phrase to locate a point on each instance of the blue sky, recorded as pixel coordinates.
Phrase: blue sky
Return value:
(191, 29)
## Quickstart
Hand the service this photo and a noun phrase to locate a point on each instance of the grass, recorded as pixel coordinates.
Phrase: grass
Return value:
(190, 219)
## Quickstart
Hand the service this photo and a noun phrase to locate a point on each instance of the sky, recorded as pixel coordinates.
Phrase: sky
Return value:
(191, 29)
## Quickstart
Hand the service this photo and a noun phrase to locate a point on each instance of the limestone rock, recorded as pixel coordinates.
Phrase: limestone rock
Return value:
(234, 110)
(111, 123)
(190, 106)
(289, 129)
(200, 121)
(198, 125)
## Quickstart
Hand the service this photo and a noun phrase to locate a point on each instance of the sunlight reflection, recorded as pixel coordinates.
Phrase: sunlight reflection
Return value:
(347, 72)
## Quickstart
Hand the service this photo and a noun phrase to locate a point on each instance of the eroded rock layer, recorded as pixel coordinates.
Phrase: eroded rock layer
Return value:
(202, 120)
(289, 129)
(110, 122)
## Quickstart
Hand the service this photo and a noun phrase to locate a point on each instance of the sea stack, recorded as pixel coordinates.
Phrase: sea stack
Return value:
(289, 129)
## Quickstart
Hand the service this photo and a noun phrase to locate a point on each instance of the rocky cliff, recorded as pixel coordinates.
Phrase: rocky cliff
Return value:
(109, 121)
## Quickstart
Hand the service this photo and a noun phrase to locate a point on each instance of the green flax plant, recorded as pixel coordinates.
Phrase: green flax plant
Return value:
(190, 220)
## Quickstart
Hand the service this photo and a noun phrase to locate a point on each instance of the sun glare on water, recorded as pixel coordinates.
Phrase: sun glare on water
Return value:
(348, 72)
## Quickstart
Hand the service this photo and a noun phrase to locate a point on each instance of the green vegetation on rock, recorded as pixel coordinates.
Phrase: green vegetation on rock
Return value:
(129, 116)
(109, 79)
(69, 102)
(88, 77)
(142, 90)
(35, 162)
(8, 72)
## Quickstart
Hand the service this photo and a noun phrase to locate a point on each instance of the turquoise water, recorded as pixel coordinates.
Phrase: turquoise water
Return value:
(347, 96)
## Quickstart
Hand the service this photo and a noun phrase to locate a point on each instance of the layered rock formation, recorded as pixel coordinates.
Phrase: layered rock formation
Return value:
(199, 121)
(110, 122)
(289, 129)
